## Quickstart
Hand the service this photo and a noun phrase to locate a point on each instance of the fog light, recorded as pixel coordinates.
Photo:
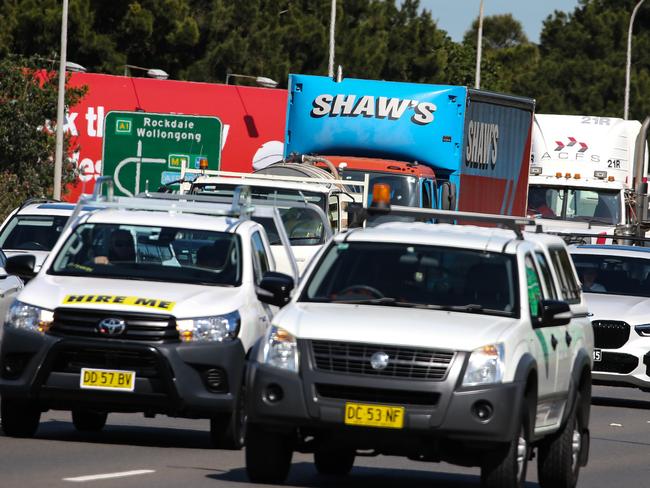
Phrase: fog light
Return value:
(215, 379)
(14, 365)
(274, 393)
(482, 410)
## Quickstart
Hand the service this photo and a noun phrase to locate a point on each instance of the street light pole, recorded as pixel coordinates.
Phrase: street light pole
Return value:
(479, 48)
(330, 69)
(629, 60)
(60, 109)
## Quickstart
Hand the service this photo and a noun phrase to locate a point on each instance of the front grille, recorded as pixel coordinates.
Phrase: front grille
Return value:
(616, 362)
(71, 360)
(403, 362)
(610, 334)
(139, 326)
(377, 395)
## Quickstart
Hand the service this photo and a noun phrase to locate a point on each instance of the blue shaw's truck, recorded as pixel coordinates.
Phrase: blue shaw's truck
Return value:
(477, 142)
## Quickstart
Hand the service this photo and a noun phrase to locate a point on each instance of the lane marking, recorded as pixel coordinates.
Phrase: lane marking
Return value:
(616, 425)
(105, 476)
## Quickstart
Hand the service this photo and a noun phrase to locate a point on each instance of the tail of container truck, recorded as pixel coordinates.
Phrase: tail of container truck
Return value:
(476, 143)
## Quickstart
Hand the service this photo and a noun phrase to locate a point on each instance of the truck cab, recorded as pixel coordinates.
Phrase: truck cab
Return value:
(581, 169)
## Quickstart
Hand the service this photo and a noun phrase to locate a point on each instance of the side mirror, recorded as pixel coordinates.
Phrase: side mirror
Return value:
(21, 265)
(275, 288)
(555, 313)
(448, 196)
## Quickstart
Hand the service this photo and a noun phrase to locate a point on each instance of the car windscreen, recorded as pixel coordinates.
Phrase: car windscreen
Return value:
(613, 275)
(32, 232)
(403, 188)
(417, 276)
(262, 193)
(303, 226)
(168, 254)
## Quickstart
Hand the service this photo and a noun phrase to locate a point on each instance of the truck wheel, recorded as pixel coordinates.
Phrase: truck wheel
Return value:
(507, 469)
(228, 431)
(86, 420)
(19, 418)
(558, 462)
(334, 462)
(268, 455)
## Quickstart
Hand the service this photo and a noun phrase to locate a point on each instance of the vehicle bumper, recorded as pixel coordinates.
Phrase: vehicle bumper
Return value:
(626, 366)
(171, 378)
(450, 415)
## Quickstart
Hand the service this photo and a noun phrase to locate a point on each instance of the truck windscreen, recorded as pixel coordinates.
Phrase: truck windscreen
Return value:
(403, 188)
(576, 204)
(416, 276)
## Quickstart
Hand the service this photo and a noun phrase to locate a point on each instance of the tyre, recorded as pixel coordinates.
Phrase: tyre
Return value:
(86, 420)
(334, 462)
(19, 418)
(268, 455)
(558, 461)
(228, 431)
(507, 468)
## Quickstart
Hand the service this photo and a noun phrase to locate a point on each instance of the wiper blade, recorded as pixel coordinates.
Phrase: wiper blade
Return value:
(366, 301)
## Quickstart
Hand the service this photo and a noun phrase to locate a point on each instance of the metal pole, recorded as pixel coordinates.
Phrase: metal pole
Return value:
(479, 47)
(60, 110)
(330, 69)
(629, 60)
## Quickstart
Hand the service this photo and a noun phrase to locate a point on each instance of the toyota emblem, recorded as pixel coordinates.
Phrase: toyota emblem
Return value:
(111, 327)
(379, 360)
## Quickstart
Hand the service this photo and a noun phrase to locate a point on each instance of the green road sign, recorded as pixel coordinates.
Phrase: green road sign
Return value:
(144, 150)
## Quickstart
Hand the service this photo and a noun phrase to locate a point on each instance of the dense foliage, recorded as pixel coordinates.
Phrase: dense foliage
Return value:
(28, 102)
(578, 66)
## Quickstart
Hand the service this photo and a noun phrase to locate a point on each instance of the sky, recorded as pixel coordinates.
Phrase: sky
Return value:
(456, 16)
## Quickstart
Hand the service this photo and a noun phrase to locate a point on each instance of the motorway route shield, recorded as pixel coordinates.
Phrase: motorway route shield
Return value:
(145, 150)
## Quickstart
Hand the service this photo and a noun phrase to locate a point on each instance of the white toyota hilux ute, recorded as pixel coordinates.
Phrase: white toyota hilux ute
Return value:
(434, 342)
(142, 306)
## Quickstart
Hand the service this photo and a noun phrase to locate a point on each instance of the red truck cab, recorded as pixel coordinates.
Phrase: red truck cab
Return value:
(412, 184)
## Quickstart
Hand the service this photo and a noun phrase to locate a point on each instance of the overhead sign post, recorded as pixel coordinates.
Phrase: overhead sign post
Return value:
(146, 150)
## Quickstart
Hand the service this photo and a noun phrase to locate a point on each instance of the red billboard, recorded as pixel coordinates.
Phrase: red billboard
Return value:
(253, 118)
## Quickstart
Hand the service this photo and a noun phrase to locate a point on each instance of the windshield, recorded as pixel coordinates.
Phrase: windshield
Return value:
(263, 193)
(403, 188)
(166, 254)
(415, 276)
(577, 204)
(303, 226)
(613, 275)
(32, 232)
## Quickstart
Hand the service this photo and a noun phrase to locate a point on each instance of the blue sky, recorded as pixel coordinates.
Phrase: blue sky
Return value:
(456, 16)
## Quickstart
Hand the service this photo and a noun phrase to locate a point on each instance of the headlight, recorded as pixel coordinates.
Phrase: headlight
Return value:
(485, 366)
(28, 317)
(218, 328)
(280, 349)
(643, 330)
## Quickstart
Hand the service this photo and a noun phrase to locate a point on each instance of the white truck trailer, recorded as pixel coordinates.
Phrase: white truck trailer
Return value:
(582, 173)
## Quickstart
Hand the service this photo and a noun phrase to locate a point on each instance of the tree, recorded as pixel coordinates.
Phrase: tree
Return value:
(28, 102)
(499, 32)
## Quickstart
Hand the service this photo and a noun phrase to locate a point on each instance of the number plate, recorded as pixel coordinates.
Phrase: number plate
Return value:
(598, 355)
(107, 379)
(374, 415)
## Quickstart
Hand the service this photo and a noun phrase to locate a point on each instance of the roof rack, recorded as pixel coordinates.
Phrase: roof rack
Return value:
(31, 201)
(618, 239)
(360, 214)
(240, 208)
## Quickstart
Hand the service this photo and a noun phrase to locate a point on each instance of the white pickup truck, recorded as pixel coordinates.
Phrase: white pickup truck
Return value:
(434, 342)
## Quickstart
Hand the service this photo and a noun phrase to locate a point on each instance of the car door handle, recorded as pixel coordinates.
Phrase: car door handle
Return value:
(568, 338)
(553, 342)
